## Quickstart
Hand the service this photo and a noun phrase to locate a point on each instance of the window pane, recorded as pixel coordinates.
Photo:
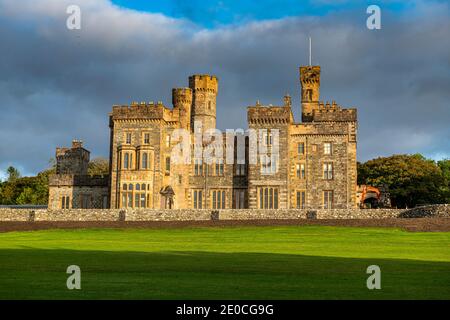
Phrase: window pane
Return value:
(124, 200)
(195, 199)
(200, 200)
(168, 164)
(144, 161)
(214, 200)
(303, 199)
(130, 200)
(223, 199)
(266, 197)
(276, 199)
(126, 161)
(261, 198)
(270, 198)
(136, 200)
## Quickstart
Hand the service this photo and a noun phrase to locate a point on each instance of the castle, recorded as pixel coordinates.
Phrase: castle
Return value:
(307, 164)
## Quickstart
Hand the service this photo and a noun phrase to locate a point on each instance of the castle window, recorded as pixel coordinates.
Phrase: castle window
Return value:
(267, 138)
(209, 105)
(301, 172)
(239, 199)
(301, 199)
(144, 160)
(65, 201)
(126, 161)
(105, 202)
(218, 199)
(328, 199)
(197, 195)
(268, 198)
(128, 138)
(198, 167)
(146, 138)
(240, 169)
(124, 187)
(301, 148)
(85, 201)
(167, 165)
(168, 140)
(269, 164)
(130, 200)
(328, 171)
(219, 167)
(136, 199)
(327, 148)
(138, 187)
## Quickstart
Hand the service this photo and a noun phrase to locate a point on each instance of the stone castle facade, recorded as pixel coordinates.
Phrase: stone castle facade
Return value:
(307, 164)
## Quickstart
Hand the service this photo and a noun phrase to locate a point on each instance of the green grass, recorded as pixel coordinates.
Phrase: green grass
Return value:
(288, 262)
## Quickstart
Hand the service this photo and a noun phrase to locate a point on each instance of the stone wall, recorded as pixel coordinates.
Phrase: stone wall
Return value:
(8, 214)
(439, 211)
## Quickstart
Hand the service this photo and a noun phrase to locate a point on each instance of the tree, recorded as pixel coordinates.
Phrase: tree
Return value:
(412, 179)
(98, 166)
(444, 165)
(13, 174)
(27, 196)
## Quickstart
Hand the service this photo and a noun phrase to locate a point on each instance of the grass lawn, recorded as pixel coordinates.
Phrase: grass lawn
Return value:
(283, 262)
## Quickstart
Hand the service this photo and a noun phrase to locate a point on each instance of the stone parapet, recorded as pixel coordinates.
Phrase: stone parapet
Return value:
(10, 214)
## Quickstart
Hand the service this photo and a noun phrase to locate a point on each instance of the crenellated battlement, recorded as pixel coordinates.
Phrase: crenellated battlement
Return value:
(260, 114)
(181, 96)
(141, 110)
(204, 82)
(333, 112)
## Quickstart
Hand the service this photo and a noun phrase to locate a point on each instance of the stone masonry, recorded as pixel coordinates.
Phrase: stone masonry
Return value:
(307, 165)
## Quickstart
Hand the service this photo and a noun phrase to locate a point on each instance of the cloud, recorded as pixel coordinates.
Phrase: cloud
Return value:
(57, 84)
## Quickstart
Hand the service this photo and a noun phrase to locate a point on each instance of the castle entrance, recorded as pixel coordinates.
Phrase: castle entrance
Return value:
(167, 195)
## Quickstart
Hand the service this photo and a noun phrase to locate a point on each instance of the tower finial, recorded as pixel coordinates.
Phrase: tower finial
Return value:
(310, 51)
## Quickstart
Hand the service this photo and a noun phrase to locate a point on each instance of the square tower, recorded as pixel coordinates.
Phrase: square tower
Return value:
(310, 91)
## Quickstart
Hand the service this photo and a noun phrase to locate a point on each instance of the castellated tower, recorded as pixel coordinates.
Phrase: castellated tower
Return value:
(182, 104)
(204, 89)
(310, 90)
(74, 160)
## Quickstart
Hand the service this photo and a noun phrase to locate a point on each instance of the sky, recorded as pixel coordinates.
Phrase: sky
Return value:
(58, 84)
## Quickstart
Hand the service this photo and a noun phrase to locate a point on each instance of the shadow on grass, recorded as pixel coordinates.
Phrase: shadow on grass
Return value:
(41, 274)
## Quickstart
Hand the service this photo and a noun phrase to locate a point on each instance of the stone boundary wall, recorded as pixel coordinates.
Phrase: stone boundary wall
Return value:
(437, 211)
(188, 214)
(10, 214)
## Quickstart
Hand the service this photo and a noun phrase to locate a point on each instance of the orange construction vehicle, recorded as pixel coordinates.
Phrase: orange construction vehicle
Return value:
(366, 189)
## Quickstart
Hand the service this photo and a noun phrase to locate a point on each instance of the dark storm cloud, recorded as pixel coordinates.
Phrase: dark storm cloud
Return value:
(57, 84)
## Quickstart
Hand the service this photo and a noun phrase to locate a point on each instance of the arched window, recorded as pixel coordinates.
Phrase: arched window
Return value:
(143, 187)
(124, 187)
(138, 187)
(130, 187)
